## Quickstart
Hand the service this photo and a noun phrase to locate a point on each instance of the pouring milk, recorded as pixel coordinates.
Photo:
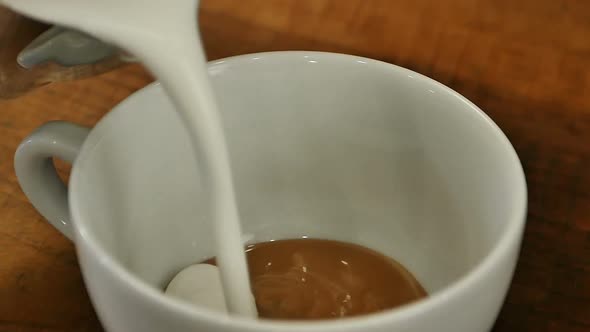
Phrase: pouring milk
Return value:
(164, 36)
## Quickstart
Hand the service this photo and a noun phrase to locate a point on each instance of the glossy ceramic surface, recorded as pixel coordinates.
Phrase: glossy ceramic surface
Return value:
(322, 145)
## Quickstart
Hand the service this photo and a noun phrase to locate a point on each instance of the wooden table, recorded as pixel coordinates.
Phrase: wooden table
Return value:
(526, 63)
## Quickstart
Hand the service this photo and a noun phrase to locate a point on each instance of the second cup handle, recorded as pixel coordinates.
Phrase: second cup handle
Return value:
(36, 173)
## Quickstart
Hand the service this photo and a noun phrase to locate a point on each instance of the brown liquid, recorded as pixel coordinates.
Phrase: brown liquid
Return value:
(320, 279)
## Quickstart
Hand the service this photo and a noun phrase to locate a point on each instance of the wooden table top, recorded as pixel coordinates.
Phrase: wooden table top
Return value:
(526, 63)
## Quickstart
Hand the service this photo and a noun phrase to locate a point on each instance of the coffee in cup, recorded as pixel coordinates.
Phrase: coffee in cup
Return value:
(320, 279)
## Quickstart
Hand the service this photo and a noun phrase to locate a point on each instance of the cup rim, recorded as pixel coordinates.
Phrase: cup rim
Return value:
(510, 236)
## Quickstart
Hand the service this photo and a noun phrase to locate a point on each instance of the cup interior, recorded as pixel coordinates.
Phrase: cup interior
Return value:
(322, 145)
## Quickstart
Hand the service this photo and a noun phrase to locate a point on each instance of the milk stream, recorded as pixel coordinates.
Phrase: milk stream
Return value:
(163, 35)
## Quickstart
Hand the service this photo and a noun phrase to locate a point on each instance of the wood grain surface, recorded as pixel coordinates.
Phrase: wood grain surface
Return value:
(526, 63)
(16, 32)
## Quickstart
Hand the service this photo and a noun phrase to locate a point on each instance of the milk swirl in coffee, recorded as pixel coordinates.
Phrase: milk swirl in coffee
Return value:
(322, 279)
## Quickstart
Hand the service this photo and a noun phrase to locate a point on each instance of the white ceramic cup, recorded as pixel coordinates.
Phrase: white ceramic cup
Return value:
(323, 145)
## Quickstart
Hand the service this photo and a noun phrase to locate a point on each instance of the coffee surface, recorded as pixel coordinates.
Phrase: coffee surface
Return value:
(321, 279)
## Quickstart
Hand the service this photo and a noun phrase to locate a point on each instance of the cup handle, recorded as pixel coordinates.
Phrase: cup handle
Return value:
(36, 172)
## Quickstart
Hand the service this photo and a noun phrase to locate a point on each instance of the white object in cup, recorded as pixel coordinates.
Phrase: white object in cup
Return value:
(323, 145)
